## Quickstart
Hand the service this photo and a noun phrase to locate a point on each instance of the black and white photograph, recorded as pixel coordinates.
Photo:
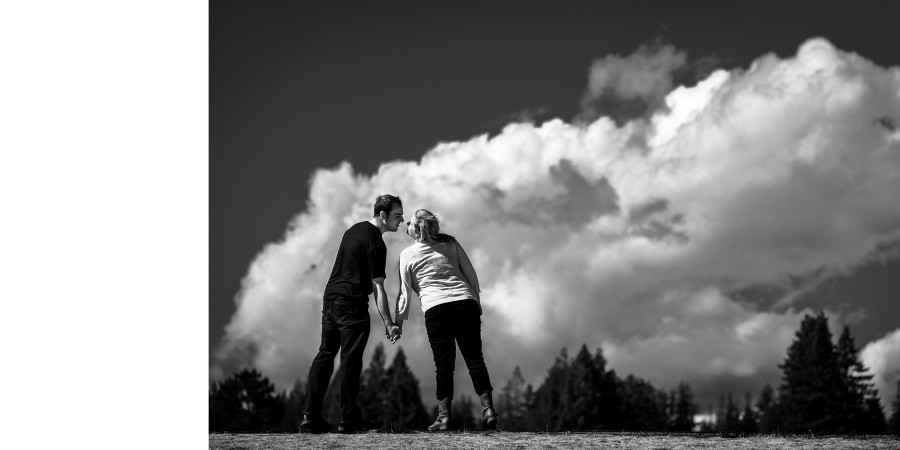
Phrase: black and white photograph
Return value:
(572, 224)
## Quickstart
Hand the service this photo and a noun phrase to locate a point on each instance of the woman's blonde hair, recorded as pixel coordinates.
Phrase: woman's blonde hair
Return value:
(429, 227)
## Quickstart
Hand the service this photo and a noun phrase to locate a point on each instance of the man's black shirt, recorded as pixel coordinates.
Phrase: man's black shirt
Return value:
(360, 258)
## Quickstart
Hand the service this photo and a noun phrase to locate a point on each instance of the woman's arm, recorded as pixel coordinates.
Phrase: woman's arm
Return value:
(468, 271)
(405, 291)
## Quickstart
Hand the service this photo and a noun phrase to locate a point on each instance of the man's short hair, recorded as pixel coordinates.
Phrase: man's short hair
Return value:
(386, 203)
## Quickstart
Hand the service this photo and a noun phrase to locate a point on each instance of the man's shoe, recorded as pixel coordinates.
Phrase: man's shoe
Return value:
(355, 426)
(314, 425)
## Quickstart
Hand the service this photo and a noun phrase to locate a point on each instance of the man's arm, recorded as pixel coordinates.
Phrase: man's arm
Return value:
(381, 303)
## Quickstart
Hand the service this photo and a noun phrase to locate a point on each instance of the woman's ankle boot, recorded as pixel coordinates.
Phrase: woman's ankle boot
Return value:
(442, 423)
(488, 415)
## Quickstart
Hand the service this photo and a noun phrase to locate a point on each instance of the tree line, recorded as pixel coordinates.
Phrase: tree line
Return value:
(248, 401)
(824, 389)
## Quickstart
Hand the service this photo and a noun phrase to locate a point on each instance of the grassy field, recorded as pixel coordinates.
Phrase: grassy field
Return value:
(509, 440)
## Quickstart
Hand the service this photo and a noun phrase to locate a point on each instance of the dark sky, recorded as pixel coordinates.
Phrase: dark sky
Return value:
(295, 86)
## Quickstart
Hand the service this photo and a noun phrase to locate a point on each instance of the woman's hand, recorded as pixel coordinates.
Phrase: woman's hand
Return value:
(393, 333)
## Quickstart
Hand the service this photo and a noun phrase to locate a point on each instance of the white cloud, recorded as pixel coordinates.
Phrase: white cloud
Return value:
(882, 357)
(593, 234)
(706, 335)
(628, 87)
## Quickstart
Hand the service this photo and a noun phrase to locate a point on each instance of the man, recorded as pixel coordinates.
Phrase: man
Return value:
(359, 265)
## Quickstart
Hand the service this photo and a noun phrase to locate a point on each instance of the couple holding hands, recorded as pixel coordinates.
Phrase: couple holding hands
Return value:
(437, 268)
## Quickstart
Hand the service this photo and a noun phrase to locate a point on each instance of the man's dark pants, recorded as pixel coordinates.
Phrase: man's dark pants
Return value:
(449, 325)
(345, 327)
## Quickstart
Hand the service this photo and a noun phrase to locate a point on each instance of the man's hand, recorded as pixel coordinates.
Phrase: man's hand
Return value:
(391, 330)
(393, 333)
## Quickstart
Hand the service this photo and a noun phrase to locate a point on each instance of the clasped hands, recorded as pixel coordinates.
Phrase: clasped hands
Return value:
(393, 333)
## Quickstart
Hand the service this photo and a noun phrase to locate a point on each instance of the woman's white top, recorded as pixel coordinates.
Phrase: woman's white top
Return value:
(438, 273)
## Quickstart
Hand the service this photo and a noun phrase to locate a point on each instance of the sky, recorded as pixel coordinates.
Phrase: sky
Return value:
(675, 184)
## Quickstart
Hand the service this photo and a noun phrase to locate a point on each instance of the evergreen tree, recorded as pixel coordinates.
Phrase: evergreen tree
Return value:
(404, 400)
(246, 401)
(639, 408)
(293, 408)
(666, 404)
(670, 409)
(513, 402)
(531, 420)
(659, 410)
(577, 394)
(331, 404)
(810, 397)
(585, 388)
(766, 407)
(893, 425)
(609, 401)
(581, 394)
(566, 398)
(217, 408)
(731, 422)
(875, 422)
(720, 415)
(856, 384)
(861, 404)
(551, 402)
(684, 408)
(372, 400)
(748, 422)
(462, 416)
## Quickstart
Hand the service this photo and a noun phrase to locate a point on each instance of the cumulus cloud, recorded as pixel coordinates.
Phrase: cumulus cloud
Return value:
(628, 87)
(882, 357)
(629, 236)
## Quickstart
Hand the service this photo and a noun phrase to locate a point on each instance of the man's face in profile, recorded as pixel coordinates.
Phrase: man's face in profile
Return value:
(394, 218)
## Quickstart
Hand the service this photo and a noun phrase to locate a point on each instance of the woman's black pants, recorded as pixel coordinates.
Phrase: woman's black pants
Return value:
(449, 325)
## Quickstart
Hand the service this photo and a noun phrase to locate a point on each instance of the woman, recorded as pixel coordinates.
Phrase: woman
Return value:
(437, 268)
